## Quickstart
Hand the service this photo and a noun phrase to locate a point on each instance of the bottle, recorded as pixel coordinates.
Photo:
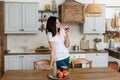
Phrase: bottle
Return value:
(54, 68)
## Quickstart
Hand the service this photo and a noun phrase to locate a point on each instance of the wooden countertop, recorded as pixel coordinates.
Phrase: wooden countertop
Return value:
(75, 74)
(113, 49)
(114, 52)
(85, 51)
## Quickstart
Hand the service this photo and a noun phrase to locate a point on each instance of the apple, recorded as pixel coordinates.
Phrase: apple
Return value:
(65, 73)
(60, 74)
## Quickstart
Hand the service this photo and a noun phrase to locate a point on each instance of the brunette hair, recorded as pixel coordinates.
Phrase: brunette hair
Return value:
(51, 25)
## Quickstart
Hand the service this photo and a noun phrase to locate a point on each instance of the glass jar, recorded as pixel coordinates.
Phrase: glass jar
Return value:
(54, 68)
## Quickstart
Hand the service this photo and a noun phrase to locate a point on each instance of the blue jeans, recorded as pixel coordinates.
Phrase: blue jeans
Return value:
(64, 62)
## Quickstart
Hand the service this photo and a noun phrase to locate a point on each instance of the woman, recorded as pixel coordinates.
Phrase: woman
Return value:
(59, 42)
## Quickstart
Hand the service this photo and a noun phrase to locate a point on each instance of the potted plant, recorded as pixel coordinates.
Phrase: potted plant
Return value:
(111, 35)
(98, 45)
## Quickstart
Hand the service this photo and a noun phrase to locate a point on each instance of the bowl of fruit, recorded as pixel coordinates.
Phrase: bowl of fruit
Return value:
(62, 74)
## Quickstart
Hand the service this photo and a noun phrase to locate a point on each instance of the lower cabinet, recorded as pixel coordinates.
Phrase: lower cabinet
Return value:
(14, 62)
(75, 56)
(98, 59)
(45, 56)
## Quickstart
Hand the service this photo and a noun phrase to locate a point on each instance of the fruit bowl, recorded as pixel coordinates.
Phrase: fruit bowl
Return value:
(50, 75)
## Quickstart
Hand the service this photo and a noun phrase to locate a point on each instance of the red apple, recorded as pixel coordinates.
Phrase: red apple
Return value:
(59, 74)
(65, 73)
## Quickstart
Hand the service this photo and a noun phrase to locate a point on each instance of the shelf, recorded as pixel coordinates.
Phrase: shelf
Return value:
(113, 6)
(43, 19)
(41, 11)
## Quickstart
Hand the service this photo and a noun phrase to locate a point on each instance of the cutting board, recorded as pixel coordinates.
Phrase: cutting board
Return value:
(84, 44)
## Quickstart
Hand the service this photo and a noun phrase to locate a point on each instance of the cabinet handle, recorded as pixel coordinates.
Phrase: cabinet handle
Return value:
(96, 54)
(94, 30)
(20, 29)
(21, 56)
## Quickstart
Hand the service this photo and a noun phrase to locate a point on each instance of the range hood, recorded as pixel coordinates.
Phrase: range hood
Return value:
(71, 12)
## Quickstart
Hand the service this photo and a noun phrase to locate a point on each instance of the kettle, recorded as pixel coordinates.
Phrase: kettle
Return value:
(76, 47)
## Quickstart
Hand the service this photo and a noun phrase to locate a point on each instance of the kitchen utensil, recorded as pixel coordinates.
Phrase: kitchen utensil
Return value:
(84, 44)
(113, 23)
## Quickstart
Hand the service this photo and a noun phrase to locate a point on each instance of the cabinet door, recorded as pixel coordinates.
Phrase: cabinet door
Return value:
(100, 21)
(12, 62)
(12, 17)
(27, 61)
(46, 56)
(30, 17)
(95, 24)
(98, 59)
(75, 56)
(89, 25)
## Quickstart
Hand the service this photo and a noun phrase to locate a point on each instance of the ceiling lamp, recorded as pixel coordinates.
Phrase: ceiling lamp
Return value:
(93, 9)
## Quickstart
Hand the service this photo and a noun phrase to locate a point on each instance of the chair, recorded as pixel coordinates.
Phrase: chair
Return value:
(81, 61)
(41, 64)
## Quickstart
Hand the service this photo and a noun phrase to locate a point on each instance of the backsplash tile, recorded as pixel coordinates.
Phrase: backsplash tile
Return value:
(36, 40)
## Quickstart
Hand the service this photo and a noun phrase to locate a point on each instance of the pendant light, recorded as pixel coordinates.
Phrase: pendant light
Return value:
(93, 10)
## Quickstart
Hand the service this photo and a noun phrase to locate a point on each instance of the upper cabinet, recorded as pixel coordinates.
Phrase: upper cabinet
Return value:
(95, 24)
(21, 17)
(71, 12)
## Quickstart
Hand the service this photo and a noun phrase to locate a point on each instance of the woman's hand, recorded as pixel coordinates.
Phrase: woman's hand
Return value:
(67, 30)
(67, 41)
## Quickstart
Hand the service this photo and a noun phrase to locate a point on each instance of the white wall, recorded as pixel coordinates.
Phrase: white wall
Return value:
(33, 41)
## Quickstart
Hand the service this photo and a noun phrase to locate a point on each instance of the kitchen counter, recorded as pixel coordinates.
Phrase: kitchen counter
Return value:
(86, 51)
(113, 52)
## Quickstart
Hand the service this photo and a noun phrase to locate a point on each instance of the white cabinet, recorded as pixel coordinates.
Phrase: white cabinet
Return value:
(95, 24)
(45, 56)
(21, 17)
(27, 61)
(13, 62)
(98, 59)
(75, 56)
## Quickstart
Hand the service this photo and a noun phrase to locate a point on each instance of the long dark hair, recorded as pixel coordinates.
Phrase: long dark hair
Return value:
(51, 25)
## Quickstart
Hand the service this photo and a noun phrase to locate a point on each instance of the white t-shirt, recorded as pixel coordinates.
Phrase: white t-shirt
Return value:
(61, 52)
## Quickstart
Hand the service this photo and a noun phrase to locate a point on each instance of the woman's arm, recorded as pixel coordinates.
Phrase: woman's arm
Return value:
(51, 54)
(67, 40)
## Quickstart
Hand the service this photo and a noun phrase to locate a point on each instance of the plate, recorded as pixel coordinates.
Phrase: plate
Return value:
(50, 75)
